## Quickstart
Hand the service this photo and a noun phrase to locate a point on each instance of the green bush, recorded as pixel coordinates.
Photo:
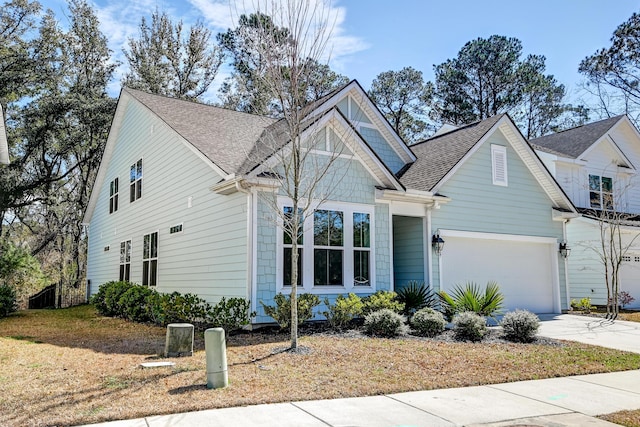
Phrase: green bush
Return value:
(134, 303)
(583, 305)
(471, 298)
(427, 322)
(7, 300)
(343, 311)
(520, 325)
(178, 308)
(281, 313)
(107, 299)
(415, 296)
(231, 314)
(381, 300)
(469, 326)
(385, 323)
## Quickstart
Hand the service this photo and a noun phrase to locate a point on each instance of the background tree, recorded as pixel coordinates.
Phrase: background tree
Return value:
(402, 96)
(613, 73)
(162, 61)
(246, 46)
(488, 77)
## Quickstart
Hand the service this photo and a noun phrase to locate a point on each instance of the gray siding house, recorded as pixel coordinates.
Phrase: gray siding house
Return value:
(179, 205)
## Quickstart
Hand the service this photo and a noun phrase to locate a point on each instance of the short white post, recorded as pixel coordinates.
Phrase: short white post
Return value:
(216, 354)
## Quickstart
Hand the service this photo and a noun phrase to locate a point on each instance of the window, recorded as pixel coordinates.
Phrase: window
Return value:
(176, 229)
(361, 248)
(600, 192)
(125, 261)
(113, 196)
(328, 242)
(335, 249)
(150, 259)
(499, 165)
(288, 250)
(135, 181)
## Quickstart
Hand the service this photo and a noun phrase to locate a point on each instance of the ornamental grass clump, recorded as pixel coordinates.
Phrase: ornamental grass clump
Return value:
(469, 326)
(469, 297)
(428, 323)
(415, 296)
(520, 325)
(385, 323)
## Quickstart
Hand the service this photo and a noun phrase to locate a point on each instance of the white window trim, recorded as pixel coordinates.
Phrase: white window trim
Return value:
(130, 241)
(307, 254)
(156, 258)
(499, 153)
(614, 180)
(141, 179)
(114, 199)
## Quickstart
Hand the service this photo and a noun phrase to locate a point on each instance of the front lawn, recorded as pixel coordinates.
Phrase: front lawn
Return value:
(72, 366)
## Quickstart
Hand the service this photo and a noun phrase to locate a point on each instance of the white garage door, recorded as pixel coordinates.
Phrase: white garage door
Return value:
(630, 277)
(524, 270)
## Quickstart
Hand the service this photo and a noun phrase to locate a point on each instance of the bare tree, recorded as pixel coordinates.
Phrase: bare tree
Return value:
(606, 199)
(295, 152)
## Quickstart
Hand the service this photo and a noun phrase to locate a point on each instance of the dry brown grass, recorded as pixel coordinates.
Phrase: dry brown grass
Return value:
(625, 418)
(71, 366)
(632, 317)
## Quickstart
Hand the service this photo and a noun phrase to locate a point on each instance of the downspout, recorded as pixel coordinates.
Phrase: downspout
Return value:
(566, 266)
(250, 243)
(427, 249)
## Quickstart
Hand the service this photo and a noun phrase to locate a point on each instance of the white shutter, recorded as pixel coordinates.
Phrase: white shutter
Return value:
(499, 164)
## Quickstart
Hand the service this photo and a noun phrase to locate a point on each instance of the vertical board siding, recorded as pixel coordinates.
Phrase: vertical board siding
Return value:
(521, 208)
(408, 250)
(209, 256)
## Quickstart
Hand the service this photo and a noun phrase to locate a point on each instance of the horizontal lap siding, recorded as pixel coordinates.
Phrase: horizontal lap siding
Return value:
(209, 256)
(521, 208)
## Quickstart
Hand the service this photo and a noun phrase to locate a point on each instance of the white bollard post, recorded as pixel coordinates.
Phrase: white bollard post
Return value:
(216, 354)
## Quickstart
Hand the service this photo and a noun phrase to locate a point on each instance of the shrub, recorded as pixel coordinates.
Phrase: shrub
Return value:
(520, 325)
(343, 311)
(469, 326)
(583, 305)
(415, 296)
(385, 323)
(231, 314)
(134, 302)
(427, 322)
(107, 299)
(625, 298)
(381, 300)
(178, 308)
(471, 298)
(8, 302)
(281, 313)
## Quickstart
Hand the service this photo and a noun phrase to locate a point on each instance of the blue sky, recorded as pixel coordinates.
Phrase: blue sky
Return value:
(373, 36)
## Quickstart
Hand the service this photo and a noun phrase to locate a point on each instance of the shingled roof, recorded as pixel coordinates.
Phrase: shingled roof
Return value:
(224, 136)
(438, 155)
(573, 142)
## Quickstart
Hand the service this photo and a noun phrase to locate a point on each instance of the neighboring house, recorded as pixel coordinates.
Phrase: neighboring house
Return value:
(4, 145)
(177, 206)
(596, 165)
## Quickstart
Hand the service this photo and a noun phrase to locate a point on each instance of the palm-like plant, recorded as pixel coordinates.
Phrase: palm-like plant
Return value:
(469, 297)
(415, 295)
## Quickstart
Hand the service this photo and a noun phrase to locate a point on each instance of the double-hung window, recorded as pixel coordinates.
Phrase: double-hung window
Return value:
(328, 247)
(361, 248)
(288, 247)
(113, 196)
(135, 181)
(600, 192)
(150, 259)
(335, 248)
(125, 261)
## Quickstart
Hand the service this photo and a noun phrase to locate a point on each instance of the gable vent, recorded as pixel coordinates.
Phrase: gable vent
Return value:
(499, 164)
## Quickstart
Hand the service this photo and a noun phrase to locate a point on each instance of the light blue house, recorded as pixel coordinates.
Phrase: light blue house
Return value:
(186, 200)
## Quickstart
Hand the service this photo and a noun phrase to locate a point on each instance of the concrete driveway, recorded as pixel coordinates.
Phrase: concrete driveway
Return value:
(619, 334)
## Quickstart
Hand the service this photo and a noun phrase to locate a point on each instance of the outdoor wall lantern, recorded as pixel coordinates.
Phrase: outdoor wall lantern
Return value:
(564, 250)
(437, 243)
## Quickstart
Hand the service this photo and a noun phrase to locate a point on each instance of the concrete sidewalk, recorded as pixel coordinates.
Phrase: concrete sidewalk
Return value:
(557, 402)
